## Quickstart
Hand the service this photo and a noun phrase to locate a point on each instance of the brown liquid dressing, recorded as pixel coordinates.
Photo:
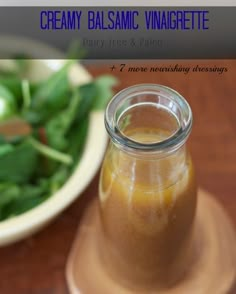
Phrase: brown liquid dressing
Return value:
(147, 207)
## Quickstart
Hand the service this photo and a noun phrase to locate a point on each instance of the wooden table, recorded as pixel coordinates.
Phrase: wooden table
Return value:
(37, 264)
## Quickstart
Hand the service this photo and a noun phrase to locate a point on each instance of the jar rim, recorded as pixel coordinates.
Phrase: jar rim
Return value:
(174, 141)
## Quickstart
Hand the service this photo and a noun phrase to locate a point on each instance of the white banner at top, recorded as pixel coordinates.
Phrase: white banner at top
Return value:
(115, 3)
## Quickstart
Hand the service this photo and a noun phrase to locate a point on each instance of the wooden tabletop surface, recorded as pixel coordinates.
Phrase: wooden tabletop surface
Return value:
(37, 264)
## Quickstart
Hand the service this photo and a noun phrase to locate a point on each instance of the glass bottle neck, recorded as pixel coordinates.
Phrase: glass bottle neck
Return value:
(148, 119)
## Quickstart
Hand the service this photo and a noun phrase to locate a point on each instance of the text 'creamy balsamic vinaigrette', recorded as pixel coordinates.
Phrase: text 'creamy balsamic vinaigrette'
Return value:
(147, 188)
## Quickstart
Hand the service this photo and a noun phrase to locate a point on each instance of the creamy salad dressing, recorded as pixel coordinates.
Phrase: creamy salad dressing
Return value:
(147, 209)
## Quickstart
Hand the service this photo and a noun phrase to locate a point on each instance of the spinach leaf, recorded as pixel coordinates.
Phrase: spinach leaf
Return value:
(12, 84)
(51, 95)
(16, 199)
(21, 199)
(88, 95)
(5, 148)
(58, 126)
(21, 62)
(58, 178)
(18, 165)
(7, 103)
(77, 138)
(21, 205)
(104, 86)
(76, 51)
(8, 192)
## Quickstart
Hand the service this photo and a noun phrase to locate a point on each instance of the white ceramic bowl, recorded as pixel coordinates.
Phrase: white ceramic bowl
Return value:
(25, 224)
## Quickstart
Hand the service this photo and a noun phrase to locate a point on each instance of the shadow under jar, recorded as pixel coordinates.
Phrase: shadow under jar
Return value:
(147, 189)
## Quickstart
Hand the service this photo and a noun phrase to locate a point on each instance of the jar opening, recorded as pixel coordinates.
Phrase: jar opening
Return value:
(148, 117)
(147, 123)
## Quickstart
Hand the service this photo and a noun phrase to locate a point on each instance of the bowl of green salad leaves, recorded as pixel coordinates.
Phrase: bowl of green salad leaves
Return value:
(52, 139)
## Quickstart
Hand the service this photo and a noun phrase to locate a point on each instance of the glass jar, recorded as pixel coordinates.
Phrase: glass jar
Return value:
(147, 189)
